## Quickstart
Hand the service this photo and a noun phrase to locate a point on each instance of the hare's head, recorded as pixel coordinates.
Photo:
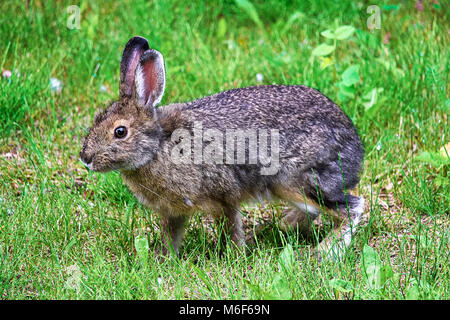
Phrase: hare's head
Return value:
(126, 135)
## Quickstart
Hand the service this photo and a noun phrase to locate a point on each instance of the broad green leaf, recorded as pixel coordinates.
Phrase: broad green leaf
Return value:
(322, 50)
(441, 181)
(344, 32)
(294, 17)
(368, 39)
(349, 91)
(221, 28)
(428, 158)
(256, 289)
(141, 245)
(373, 276)
(372, 111)
(92, 23)
(343, 97)
(328, 34)
(351, 75)
(391, 66)
(371, 98)
(369, 95)
(371, 265)
(280, 289)
(248, 7)
(421, 289)
(413, 292)
(286, 258)
(370, 256)
(386, 273)
(340, 285)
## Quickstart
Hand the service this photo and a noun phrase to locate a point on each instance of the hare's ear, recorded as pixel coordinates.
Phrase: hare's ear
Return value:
(150, 79)
(132, 53)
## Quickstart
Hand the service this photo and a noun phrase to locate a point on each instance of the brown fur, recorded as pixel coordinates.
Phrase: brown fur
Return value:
(320, 153)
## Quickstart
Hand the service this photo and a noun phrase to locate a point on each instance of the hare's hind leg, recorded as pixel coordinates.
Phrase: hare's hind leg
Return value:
(346, 209)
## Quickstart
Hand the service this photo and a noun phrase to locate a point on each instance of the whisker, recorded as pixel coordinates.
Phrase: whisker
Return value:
(154, 192)
(146, 188)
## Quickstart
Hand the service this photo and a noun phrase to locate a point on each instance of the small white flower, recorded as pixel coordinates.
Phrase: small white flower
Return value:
(103, 88)
(231, 44)
(259, 77)
(379, 146)
(55, 85)
(7, 74)
(160, 280)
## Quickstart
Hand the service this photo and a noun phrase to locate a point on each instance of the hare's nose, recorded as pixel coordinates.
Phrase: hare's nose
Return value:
(86, 160)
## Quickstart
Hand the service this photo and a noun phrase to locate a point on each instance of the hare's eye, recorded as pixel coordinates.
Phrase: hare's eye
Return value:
(120, 132)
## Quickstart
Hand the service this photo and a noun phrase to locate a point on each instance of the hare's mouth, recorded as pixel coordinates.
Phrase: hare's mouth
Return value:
(87, 165)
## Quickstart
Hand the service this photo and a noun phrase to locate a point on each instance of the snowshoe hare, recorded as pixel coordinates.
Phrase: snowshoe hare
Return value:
(265, 142)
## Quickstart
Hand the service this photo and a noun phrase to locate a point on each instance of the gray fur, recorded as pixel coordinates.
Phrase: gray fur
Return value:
(320, 155)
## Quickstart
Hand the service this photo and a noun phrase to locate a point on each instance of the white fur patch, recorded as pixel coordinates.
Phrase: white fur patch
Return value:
(358, 210)
(89, 166)
(140, 85)
(161, 78)
(354, 222)
(310, 209)
(337, 250)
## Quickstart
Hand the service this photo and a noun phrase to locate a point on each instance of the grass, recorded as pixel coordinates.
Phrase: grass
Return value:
(60, 223)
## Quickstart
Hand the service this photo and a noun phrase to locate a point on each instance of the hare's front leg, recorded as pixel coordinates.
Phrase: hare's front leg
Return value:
(334, 245)
(172, 233)
(231, 222)
(299, 216)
